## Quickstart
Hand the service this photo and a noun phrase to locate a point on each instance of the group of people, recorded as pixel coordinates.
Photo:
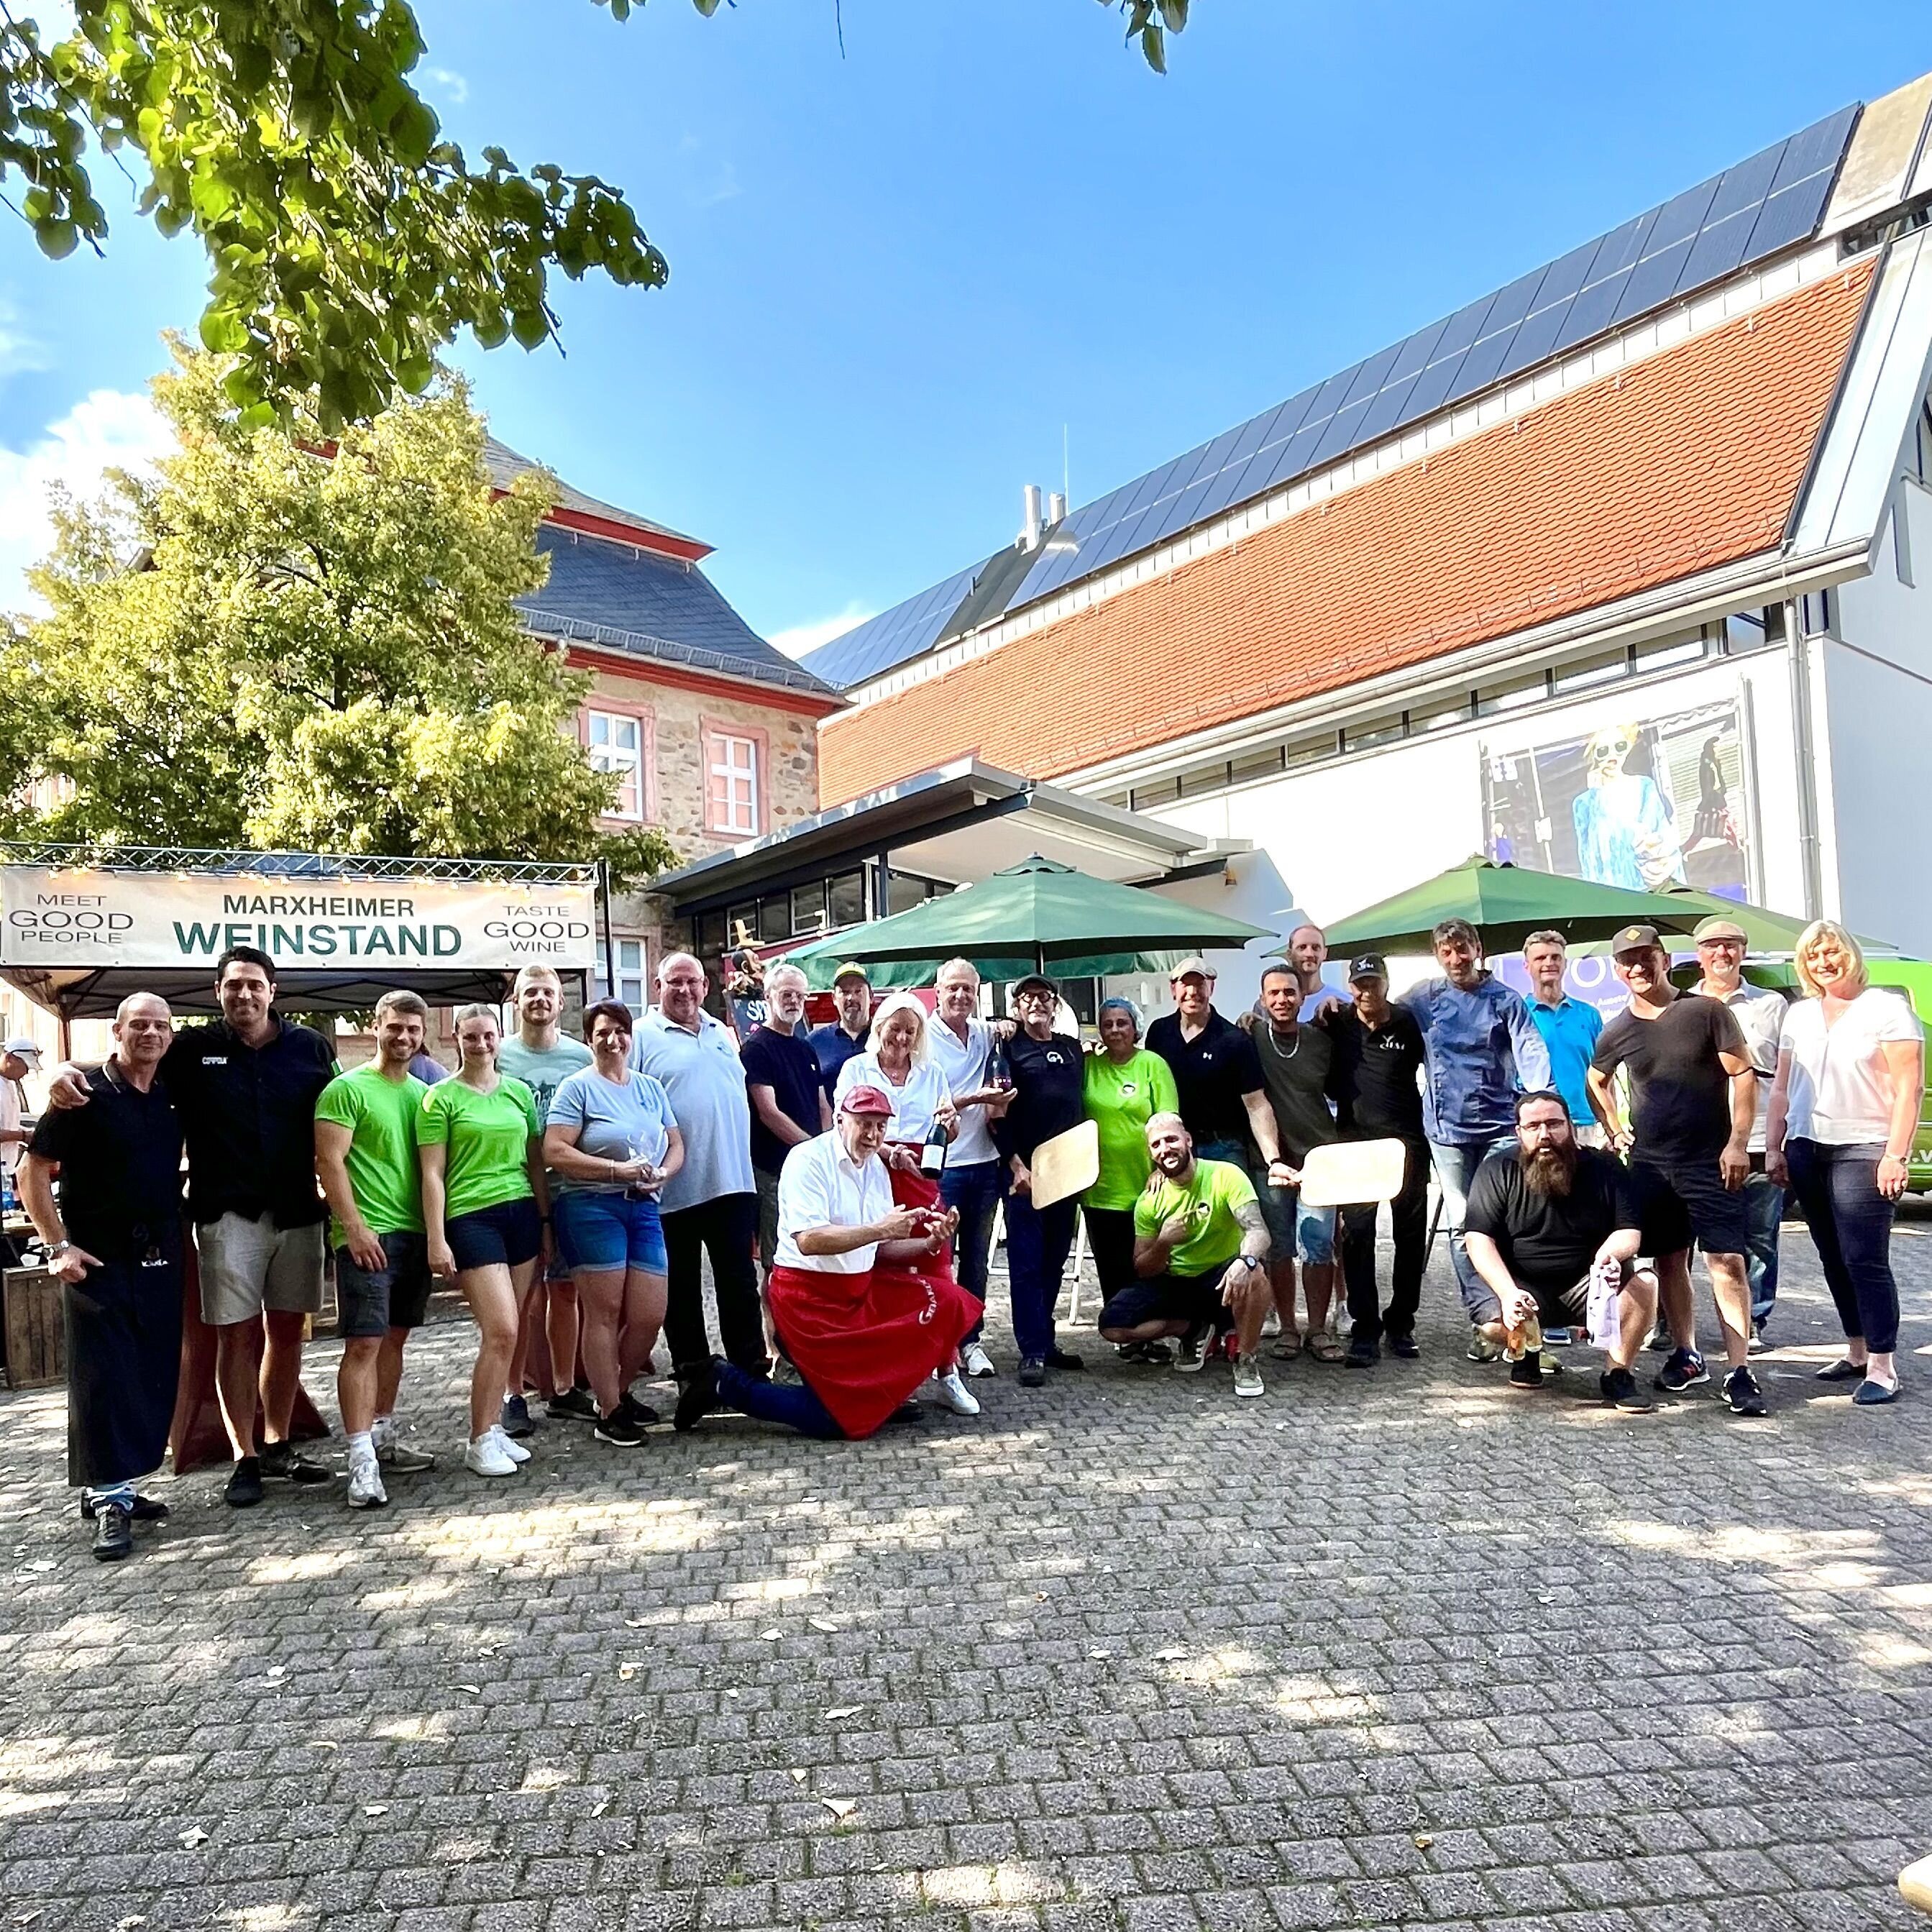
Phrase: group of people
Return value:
(843, 1183)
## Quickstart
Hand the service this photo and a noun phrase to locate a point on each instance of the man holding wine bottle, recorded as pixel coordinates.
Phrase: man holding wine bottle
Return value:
(973, 1182)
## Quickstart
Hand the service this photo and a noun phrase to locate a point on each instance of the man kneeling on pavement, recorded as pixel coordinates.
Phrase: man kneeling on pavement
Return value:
(1201, 1249)
(1542, 1222)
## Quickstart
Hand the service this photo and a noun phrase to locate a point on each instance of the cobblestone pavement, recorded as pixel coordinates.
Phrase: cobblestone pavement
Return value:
(1401, 1649)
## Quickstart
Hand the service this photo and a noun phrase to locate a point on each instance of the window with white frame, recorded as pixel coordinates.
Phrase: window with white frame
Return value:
(630, 988)
(615, 742)
(733, 785)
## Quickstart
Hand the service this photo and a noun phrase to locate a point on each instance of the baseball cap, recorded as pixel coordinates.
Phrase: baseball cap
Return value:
(851, 969)
(1194, 964)
(1027, 979)
(1368, 966)
(866, 1100)
(27, 1049)
(1634, 939)
(1719, 927)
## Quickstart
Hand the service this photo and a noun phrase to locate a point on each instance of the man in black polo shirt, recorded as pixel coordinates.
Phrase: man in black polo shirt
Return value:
(1542, 1221)
(1217, 1076)
(787, 1091)
(115, 1241)
(1693, 1102)
(245, 1087)
(1379, 1055)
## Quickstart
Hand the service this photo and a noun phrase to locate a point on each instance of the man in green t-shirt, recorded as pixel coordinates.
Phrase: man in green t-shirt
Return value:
(543, 1057)
(365, 1155)
(1201, 1251)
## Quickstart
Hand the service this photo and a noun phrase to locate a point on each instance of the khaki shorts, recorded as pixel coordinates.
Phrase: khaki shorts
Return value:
(247, 1266)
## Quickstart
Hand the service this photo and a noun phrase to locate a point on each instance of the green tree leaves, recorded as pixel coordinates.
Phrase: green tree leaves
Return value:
(348, 242)
(316, 651)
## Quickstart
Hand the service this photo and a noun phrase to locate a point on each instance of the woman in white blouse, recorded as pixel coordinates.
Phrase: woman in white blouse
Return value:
(897, 1060)
(1851, 1070)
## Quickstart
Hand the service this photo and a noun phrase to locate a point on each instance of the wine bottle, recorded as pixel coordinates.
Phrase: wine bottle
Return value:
(999, 1069)
(932, 1156)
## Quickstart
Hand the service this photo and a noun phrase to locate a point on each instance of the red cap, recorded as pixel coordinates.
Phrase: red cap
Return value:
(865, 1100)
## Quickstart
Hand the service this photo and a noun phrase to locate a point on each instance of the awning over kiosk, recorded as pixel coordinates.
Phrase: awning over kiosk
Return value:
(81, 928)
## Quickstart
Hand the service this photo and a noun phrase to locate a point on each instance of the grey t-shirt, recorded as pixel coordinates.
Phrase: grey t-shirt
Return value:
(1298, 1074)
(542, 1072)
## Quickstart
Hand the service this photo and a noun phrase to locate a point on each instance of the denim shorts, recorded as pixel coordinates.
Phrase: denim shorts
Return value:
(606, 1231)
(1308, 1234)
(1682, 1201)
(504, 1235)
(372, 1302)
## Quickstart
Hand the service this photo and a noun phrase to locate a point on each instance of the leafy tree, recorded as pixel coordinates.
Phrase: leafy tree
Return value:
(316, 648)
(349, 241)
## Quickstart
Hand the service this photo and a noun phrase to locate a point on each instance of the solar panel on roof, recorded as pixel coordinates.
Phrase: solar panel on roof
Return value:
(1766, 202)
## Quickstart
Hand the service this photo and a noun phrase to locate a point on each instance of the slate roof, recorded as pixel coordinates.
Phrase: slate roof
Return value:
(1692, 458)
(636, 601)
(506, 465)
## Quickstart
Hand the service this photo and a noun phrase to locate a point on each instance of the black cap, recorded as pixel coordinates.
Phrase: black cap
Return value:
(1367, 966)
(1634, 939)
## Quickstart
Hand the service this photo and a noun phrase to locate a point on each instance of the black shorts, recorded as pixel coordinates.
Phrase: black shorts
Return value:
(394, 1296)
(506, 1235)
(1194, 1299)
(1684, 1202)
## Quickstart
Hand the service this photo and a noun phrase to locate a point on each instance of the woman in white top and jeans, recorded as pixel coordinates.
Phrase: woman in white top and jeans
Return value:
(1851, 1070)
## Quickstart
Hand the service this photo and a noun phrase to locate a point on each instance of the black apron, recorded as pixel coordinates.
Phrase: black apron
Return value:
(124, 1344)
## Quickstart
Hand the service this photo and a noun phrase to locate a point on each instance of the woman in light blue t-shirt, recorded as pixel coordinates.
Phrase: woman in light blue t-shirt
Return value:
(612, 1141)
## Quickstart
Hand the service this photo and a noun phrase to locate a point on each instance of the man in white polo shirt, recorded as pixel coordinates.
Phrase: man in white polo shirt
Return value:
(863, 1328)
(974, 1181)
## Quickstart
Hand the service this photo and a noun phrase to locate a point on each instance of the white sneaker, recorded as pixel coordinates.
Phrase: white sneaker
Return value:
(1248, 1376)
(365, 1484)
(979, 1364)
(1271, 1323)
(511, 1448)
(488, 1456)
(956, 1395)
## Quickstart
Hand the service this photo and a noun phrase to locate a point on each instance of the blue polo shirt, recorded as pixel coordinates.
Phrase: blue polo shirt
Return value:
(1570, 1030)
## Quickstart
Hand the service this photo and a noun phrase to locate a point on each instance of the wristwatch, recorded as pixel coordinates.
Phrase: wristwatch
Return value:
(56, 1249)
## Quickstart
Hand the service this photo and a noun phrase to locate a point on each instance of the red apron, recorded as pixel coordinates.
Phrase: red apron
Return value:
(864, 1341)
(913, 1187)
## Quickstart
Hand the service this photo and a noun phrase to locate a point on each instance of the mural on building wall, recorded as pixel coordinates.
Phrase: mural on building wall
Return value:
(1641, 806)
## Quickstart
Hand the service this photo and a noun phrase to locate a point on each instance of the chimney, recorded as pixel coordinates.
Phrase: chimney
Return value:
(1030, 528)
(1056, 507)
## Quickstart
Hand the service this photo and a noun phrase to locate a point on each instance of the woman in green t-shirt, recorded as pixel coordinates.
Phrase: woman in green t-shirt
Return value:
(1126, 1086)
(486, 1206)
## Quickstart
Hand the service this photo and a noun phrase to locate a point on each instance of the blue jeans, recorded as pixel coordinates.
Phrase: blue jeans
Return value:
(1851, 1227)
(798, 1408)
(1764, 1210)
(976, 1191)
(1456, 1163)
(1038, 1242)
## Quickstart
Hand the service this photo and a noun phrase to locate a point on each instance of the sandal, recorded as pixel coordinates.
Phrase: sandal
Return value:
(1844, 1369)
(1323, 1347)
(1288, 1347)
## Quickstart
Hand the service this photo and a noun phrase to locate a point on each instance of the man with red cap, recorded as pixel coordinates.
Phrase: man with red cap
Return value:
(863, 1326)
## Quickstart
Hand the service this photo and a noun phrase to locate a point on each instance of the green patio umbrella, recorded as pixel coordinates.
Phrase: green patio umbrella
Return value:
(1766, 931)
(1036, 917)
(1505, 903)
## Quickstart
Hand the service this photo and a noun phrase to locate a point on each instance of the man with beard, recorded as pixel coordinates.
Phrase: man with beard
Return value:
(1200, 1250)
(1541, 1221)
(838, 1040)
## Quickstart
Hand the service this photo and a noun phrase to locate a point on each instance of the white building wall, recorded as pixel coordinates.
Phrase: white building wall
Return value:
(1876, 733)
(1340, 837)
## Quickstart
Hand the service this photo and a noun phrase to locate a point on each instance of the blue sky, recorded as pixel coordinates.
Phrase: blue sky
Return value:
(897, 273)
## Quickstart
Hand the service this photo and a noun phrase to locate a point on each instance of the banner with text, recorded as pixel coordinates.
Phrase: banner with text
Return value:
(92, 919)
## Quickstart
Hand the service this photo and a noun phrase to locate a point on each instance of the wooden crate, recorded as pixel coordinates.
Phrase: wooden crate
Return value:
(35, 1332)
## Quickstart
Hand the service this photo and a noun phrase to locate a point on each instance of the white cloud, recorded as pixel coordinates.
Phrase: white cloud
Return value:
(799, 639)
(108, 430)
(448, 83)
